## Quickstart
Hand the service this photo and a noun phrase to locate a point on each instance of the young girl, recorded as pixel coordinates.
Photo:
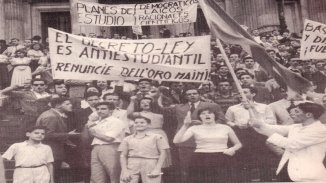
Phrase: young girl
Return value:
(21, 71)
(33, 160)
(211, 160)
(142, 154)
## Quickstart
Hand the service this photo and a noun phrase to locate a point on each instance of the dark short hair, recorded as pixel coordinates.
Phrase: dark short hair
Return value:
(58, 101)
(110, 105)
(38, 79)
(309, 107)
(41, 46)
(207, 109)
(37, 127)
(92, 94)
(110, 94)
(239, 69)
(270, 50)
(224, 80)
(22, 50)
(233, 53)
(320, 61)
(247, 73)
(252, 89)
(58, 82)
(191, 89)
(142, 117)
(145, 79)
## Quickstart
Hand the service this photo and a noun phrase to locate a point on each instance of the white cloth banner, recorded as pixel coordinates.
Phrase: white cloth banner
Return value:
(313, 43)
(161, 13)
(184, 59)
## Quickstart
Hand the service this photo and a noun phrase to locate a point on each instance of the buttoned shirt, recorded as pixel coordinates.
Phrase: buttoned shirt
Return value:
(147, 146)
(28, 155)
(305, 148)
(122, 115)
(240, 116)
(195, 104)
(41, 95)
(110, 127)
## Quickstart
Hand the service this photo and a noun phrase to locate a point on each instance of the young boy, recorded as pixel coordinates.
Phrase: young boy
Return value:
(142, 154)
(33, 160)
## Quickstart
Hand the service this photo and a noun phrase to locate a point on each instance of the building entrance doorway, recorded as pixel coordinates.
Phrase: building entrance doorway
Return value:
(56, 20)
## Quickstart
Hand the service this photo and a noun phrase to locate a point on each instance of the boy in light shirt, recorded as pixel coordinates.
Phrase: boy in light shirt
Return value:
(142, 154)
(33, 160)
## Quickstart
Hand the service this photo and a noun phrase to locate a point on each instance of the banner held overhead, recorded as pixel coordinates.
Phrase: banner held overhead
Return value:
(161, 13)
(175, 59)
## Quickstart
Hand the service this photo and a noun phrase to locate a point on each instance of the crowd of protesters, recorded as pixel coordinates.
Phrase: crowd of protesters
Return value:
(131, 131)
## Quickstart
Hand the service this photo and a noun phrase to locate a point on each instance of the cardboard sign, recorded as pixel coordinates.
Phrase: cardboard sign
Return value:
(313, 43)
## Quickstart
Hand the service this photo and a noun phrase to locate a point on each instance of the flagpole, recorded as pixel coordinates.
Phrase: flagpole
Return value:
(231, 70)
(234, 76)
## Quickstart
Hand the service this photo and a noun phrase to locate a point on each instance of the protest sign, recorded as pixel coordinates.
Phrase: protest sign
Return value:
(313, 43)
(175, 59)
(161, 13)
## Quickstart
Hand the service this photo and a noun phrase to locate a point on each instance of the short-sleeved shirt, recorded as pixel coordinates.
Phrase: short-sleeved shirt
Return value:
(110, 127)
(210, 138)
(28, 155)
(147, 146)
(239, 115)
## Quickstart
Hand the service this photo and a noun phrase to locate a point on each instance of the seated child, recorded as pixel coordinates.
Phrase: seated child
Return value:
(142, 154)
(33, 160)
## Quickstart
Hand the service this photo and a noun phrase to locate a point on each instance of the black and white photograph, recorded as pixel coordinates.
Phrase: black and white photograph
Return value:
(162, 91)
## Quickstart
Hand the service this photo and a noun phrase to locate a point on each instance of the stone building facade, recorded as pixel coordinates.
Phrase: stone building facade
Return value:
(26, 18)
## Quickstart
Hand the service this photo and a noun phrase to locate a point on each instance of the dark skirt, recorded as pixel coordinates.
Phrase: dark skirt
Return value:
(210, 168)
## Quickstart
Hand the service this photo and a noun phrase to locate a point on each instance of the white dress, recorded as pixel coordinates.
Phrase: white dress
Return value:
(21, 71)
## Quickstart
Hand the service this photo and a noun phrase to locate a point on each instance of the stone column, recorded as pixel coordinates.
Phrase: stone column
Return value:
(75, 27)
(27, 19)
(2, 19)
(14, 20)
(255, 14)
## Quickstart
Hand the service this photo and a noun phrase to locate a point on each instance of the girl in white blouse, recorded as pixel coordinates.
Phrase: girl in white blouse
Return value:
(211, 159)
(22, 70)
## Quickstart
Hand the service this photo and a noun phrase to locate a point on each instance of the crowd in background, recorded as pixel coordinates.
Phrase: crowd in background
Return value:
(87, 120)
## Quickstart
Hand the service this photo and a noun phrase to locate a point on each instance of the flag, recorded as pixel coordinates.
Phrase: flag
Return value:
(227, 29)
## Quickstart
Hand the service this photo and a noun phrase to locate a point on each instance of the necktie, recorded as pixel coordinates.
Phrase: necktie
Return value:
(292, 104)
(192, 108)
